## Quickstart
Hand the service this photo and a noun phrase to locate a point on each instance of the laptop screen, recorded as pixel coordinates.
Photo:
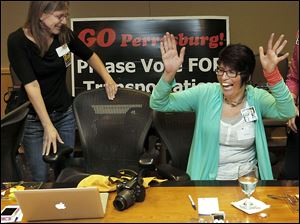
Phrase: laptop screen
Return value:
(62, 203)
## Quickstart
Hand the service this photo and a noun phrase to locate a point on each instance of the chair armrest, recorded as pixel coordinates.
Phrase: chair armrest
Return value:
(149, 159)
(274, 123)
(171, 173)
(59, 156)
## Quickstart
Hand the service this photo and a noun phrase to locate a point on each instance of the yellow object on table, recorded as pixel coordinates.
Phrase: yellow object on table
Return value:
(13, 189)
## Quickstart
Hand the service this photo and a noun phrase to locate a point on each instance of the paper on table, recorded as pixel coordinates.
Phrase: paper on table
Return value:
(207, 206)
(258, 205)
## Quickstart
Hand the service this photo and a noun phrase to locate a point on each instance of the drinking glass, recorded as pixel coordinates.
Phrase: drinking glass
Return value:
(248, 177)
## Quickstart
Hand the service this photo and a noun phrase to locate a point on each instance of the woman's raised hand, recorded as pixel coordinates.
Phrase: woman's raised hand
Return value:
(172, 61)
(270, 60)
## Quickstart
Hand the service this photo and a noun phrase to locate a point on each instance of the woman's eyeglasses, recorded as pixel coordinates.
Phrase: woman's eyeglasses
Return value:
(230, 74)
(61, 17)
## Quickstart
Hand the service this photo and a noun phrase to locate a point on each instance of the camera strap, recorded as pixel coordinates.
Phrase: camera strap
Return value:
(122, 176)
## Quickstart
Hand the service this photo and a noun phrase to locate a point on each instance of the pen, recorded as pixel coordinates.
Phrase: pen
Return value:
(192, 202)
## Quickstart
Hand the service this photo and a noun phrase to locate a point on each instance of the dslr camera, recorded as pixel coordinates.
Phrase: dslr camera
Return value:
(129, 192)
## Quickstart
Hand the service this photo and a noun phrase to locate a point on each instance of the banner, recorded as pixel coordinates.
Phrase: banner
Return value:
(130, 50)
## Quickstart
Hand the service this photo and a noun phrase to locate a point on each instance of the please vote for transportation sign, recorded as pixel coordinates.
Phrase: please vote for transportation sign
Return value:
(130, 50)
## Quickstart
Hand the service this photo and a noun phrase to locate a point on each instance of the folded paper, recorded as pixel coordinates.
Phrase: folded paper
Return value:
(208, 206)
(258, 205)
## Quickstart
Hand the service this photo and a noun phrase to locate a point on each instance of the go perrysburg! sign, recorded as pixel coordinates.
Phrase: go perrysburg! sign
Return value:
(130, 50)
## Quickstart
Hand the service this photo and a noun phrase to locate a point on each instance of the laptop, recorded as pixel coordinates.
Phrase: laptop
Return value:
(62, 203)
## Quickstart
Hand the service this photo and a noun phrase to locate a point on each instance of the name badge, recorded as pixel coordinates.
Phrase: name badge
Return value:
(249, 114)
(62, 50)
(67, 59)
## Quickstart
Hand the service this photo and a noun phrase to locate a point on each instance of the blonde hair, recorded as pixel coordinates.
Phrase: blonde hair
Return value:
(36, 28)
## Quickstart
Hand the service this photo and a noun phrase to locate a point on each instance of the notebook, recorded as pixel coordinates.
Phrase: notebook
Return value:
(62, 203)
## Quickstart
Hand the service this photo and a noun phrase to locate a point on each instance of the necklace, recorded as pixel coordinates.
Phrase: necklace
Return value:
(233, 103)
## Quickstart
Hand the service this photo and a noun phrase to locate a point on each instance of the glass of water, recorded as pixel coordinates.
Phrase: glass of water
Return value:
(248, 178)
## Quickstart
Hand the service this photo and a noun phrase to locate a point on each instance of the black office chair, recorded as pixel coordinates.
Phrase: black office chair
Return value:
(112, 132)
(12, 128)
(176, 131)
(15, 96)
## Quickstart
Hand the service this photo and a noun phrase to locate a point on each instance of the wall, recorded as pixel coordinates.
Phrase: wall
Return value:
(251, 22)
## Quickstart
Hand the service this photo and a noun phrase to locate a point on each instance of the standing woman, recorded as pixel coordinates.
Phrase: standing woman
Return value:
(39, 52)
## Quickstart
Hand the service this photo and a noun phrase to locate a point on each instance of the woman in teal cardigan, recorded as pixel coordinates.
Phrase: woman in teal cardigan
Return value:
(226, 135)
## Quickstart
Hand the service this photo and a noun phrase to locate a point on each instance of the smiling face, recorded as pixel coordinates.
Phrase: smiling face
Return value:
(235, 59)
(54, 21)
(230, 85)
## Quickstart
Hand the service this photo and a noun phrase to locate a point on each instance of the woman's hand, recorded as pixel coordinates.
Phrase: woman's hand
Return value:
(50, 133)
(50, 137)
(270, 60)
(111, 89)
(291, 122)
(170, 57)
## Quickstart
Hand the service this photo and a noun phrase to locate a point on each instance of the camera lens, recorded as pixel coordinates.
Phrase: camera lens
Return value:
(119, 203)
(124, 200)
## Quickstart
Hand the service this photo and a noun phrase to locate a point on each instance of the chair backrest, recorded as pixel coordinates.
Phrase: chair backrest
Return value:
(258, 78)
(176, 130)
(112, 132)
(12, 127)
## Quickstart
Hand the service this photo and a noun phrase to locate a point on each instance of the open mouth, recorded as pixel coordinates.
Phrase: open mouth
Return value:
(227, 86)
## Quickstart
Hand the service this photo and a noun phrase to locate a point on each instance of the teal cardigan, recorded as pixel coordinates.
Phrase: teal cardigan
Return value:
(206, 101)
